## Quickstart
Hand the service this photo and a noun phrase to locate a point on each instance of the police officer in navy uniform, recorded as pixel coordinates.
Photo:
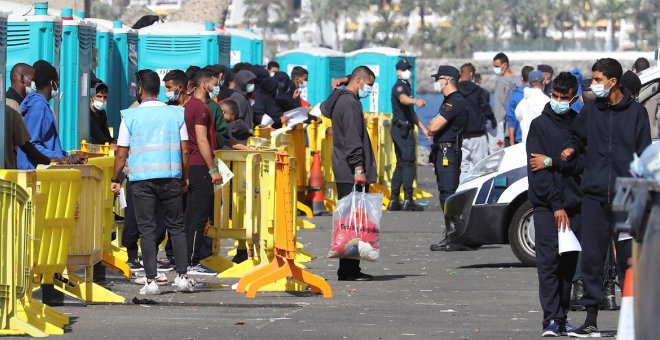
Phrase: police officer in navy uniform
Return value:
(404, 120)
(447, 131)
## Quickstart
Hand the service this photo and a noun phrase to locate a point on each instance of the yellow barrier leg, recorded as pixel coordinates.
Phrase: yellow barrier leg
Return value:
(43, 317)
(218, 263)
(115, 264)
(419, 193)
(81, 289)
(305, 209)
(304, 224)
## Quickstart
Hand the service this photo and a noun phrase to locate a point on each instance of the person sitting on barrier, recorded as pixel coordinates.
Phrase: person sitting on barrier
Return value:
(176, 83)
(353, 162)
(221, 128)
(39, 117)
(154, 135)
(203, 173)
(16, 133)
(244, 86)
(98, 122)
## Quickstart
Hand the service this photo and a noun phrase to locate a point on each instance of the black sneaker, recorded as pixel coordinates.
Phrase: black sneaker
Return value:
(165, 268)
(585, 331)
(440, 245)
(576, 296)
(358, 277)
(135, 265)
(410, 205)
(395, 205)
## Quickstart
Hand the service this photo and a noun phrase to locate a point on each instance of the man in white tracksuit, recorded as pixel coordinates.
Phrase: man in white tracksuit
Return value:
(532, 104)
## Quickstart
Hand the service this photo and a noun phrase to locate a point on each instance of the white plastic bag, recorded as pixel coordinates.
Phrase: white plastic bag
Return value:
(356, 227)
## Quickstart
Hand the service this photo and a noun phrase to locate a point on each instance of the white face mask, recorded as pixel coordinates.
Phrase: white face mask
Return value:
(55, 94)
(497, 70)
(437, 86)
(31, 89)
(249, 88)
(99, 105)
(405, 75)
(302, 85)
(171, 95)
(272, 74)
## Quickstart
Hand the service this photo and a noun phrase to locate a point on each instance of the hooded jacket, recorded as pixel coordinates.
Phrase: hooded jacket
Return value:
(577, 106)
(40, 122)
(350, 139)
(478, 109)
(530, 107)
(557, 187)
(609, 136)
(266, 104)
(285, 91)
(242, 98)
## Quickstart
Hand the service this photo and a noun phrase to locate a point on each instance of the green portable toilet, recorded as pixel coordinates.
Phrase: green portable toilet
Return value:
(3, 86)
(382, 61)
(179, 44)
(322, 64)
(32, 34)
(78, 39)
(246, 47)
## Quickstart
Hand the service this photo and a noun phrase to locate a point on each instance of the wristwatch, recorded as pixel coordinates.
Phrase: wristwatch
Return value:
(546, 161)
(115, 180)
(359, 172)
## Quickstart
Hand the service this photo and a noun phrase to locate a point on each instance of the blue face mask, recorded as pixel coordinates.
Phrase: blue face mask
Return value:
(497, 70)
(249, 88)
(560, 108)
(365, 91)
(215, 92)
(599, 90)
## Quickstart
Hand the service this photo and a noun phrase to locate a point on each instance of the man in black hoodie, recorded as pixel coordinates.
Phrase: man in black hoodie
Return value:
(353, 161)
(475, 142)
(610, 131)
(554, 191)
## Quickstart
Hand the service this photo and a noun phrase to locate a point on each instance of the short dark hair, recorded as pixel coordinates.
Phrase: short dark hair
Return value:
(641, 64)
(468, 67)
(101, 87)
(44, 74)
(273, 63)
(215, 69)
(565, 82)
(611, 68)
(241, 67)
(192, 71)
(524, 73)
(202, 76)
(149, 81)
(230, 107)
(362, 71)
(501, 57)
(298, 72)
(177, 76)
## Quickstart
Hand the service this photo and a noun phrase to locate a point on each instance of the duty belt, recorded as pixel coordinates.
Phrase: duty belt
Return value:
(402, 124)
(445, 144)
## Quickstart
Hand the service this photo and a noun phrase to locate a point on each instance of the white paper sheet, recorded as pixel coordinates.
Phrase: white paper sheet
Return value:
(122, 199)
(624, 236)
(568, 242)
(266, 121)
(224, 172)
(316, 110)
(297, 115)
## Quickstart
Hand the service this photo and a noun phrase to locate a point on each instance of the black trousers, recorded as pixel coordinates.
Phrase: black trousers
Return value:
(597, 235)
(555, 271)
(447, 177)
(199, 209)
(348, 267)
(149, 197)
(405, 170)
(131, 234)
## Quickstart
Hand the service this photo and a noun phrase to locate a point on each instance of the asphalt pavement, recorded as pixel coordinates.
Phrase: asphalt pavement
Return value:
(416, 294)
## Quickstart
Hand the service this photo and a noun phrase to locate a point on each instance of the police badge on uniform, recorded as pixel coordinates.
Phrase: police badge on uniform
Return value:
(446, 107)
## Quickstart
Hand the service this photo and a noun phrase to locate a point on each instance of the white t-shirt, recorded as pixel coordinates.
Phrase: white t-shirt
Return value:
(124, 135)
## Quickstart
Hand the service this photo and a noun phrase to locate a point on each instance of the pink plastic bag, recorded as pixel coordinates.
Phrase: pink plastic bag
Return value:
(356, 227)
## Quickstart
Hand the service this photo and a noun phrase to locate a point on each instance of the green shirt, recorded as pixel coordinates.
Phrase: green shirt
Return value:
(221, 126)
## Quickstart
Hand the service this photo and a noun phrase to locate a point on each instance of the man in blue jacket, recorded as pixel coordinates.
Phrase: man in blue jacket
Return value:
(608, 131)
(39, 117)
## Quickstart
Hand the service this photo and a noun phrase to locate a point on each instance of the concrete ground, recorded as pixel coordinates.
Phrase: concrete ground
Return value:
(483, 294)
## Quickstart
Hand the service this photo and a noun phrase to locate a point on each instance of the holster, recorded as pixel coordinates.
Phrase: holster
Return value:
(404, 127)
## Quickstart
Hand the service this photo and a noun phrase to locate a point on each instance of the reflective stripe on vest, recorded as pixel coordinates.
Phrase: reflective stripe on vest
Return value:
(155, 142)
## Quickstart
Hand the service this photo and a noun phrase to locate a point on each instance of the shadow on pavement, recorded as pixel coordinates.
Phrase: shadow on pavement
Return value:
(494, 265)
(391, 277)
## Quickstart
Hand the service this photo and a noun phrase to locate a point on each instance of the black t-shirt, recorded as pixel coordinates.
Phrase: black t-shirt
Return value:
(454, 110)
(99, 131)
(400, 111)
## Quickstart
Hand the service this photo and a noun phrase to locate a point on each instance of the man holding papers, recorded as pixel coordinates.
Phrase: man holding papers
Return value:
(554, 191)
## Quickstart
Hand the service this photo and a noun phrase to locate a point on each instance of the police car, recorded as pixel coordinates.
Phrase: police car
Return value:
(490, 205)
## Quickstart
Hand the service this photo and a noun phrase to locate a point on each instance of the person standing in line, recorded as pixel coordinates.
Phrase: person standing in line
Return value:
(548, 73)
(154, 135)
(404, 120)
(353, 162)
(515, 135)
(506, 83)
(533, 103)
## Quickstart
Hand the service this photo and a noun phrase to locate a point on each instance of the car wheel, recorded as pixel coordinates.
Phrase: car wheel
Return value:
(521, 234)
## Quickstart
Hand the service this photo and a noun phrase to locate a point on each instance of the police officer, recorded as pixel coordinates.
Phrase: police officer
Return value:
(447, 130)
(404, 120)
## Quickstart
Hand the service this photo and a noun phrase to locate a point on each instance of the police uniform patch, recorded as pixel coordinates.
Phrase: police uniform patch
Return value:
(447, 107)
(399, 89)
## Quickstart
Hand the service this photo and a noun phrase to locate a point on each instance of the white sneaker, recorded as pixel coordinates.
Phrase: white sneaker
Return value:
(183, 284)
(150, 288)
(160, 279)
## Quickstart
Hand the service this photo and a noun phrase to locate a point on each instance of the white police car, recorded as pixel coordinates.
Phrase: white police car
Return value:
(490, 205)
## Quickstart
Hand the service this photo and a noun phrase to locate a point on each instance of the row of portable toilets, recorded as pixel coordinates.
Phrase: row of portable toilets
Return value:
(68, 41)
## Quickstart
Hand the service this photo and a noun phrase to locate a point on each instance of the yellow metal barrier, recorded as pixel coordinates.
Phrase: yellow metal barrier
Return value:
(87, 245)
(283, 266)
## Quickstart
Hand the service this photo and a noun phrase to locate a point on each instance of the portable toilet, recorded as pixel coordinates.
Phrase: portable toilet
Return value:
(32, 34)
(246, 47)
(3, 61)
(179, 44)
(382, 61)
(78, 39)
(322, 64)
(120, 76)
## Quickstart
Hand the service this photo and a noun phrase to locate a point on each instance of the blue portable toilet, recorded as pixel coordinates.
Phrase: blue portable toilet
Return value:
(179, 44)
(117, 66)
(382, 61)
(322, 64)
(3, 61)
(78, 39)
(32, 34)
(246, 47)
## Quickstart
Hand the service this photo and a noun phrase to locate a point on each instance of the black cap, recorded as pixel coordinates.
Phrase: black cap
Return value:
(630, 81)
(446, 70)
(403, 65)
(586, 84)
(545, 68)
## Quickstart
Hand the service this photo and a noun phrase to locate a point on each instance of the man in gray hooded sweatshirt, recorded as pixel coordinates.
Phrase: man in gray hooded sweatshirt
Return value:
(353, 160)
(243, 90)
